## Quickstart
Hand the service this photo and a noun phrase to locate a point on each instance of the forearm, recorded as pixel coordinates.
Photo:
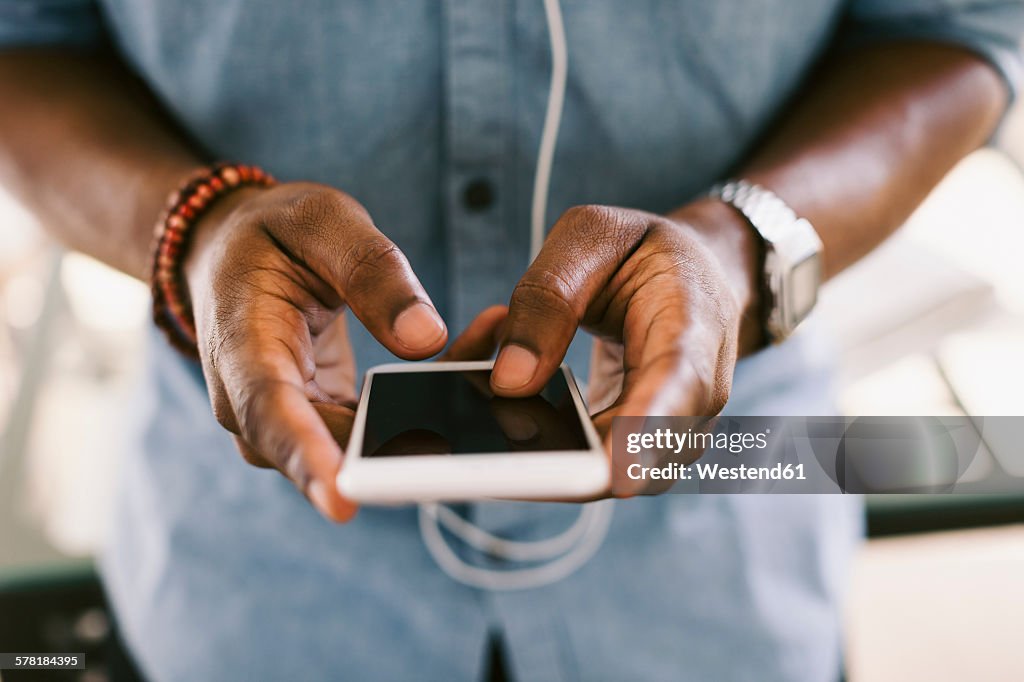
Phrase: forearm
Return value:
(868, 137)
(87, 148)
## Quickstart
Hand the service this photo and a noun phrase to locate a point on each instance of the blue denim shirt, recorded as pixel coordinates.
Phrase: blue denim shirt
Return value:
(220, 571)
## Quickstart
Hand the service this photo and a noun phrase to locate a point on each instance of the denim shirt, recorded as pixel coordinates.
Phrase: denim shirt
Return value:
(430, 114)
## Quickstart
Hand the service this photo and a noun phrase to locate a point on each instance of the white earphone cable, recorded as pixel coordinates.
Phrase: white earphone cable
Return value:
(517, 579)
(572, 548)
(512, 550)
(552, 123)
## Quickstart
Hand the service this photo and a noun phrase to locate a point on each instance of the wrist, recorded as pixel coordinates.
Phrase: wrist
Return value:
(203, 243)
(150, 193)
(740, 253)
(201, 195)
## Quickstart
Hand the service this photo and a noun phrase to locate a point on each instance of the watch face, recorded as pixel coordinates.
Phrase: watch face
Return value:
(804, 279)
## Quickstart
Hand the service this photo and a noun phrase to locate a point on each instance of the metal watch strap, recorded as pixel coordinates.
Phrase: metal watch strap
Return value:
(790, 243)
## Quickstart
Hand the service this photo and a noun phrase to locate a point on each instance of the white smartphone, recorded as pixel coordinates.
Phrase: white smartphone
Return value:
(435, 432)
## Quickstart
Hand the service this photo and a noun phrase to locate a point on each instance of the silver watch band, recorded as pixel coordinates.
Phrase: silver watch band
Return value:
(793, 262)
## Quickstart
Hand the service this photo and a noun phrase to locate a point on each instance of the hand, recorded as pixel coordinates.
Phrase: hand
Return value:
(664, 295)
(269, 274)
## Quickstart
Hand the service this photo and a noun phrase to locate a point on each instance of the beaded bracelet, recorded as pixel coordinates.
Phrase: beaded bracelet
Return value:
(172, 310)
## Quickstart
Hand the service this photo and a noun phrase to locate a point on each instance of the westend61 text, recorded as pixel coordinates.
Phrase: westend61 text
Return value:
(717, 472)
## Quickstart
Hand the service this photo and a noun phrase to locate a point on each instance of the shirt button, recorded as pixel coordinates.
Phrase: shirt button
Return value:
(478, 195)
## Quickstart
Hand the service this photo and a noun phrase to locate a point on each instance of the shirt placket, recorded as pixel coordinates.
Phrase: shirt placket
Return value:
(484, 251)
(477, 195)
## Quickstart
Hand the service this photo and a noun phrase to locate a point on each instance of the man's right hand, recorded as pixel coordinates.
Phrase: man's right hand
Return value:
(268, 273)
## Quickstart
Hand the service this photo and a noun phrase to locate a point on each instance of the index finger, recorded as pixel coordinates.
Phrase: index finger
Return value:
(268, 394)
(581, 254)
(332, 235)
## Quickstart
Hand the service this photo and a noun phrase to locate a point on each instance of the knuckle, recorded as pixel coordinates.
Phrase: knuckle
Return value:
(317, 204)
(608, 230)
(253, 458)
(248, 408)
(590, 219)
(587, 214)
(249, 457)
(663, 231)
(311, 210)
(255, 399)
(718, 396)
(722, 388)
(712, 389)
(365, 261)
(252, 403)
(224, 415)
(546, 292)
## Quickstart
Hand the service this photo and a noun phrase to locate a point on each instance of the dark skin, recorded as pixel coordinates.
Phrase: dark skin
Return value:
(673, 299)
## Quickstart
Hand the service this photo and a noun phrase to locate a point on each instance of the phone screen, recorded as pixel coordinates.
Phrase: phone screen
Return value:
(455, 413)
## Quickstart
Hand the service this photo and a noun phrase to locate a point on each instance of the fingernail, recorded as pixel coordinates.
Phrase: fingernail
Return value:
(514, 367)
(318, 496)
(418, 327)
(517, 425)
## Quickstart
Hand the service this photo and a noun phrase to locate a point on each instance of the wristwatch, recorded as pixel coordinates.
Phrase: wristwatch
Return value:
(792, 254)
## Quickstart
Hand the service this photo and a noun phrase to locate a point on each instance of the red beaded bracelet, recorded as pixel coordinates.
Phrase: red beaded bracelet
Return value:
(172, 310)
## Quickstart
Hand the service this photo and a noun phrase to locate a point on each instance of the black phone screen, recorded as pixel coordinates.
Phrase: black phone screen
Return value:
(454, 413)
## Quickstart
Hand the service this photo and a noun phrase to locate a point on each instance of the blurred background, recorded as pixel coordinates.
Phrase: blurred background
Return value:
(930, 324)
